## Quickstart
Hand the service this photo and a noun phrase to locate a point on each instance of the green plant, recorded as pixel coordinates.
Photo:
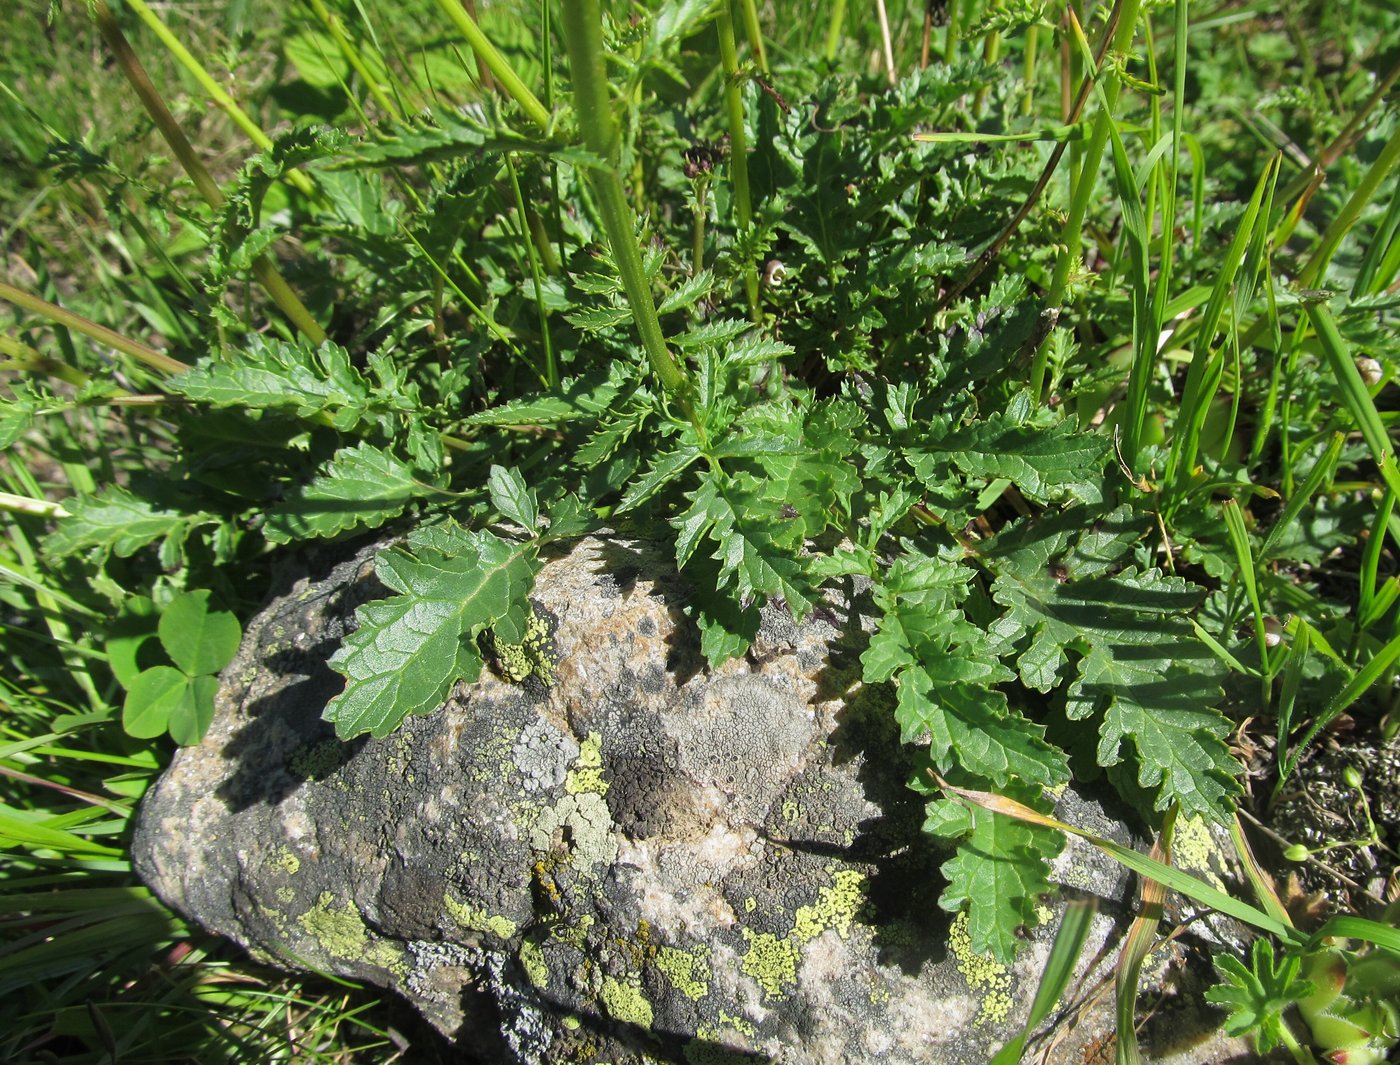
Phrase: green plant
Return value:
(1097, 445)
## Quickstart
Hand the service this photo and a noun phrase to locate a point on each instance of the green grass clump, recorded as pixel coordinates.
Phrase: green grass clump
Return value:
(1073, 332)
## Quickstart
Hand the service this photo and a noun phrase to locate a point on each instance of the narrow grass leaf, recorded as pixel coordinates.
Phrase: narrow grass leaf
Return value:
(1179, 881)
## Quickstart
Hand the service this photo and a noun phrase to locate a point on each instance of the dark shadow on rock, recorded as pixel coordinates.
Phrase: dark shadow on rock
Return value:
(623, 563)
(285, 742)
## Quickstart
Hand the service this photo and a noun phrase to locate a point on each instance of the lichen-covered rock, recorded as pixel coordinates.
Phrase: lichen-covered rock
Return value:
(643, 860)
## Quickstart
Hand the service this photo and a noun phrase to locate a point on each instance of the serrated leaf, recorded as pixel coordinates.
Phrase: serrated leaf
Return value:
(277, 375)
(689, 291)
(197, 639)
(1045, 464)
(755, 350)
(709, 334)
(410, 649)
(973, 728)
(361, 487)
(748, 533)
(663, 470)
(999, 874)
(1126, 641)
(576, 397)
(598, 319)
(511, 498)
(116, 520)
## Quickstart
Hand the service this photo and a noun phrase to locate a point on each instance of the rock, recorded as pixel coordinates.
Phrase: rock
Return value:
(644, 861)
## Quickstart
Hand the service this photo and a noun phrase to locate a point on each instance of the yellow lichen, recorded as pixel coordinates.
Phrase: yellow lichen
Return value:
(689, 974)
(287, 861)
(771, 961)
(983, 973)
(532, 961)
(1193, 846)
(478, 920)
(625, 1002)
(339, 929)
(587, 771)
(836, 907)
(740, 1025)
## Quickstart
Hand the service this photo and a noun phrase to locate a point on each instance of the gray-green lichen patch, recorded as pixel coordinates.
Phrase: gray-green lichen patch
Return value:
(479, 920)
(338, 927)
(581, 825)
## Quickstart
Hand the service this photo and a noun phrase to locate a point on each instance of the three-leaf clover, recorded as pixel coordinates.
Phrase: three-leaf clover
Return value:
(175, 696)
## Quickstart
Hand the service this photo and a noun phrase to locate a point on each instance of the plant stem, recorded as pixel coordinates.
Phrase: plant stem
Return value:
(352, 56)
(1346, 217)
(1084, 187)
(738, 147)
(885, 42)
(496, 63)
(755, 34)
(64, 317)
(263, 269)
(584, 39)
(833, 28)
(212, 88)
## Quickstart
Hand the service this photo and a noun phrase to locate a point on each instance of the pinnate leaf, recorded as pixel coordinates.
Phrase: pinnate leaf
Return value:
(410, 649)
(117, 520)
(361, 487)
(999, 872)
(1126, 641)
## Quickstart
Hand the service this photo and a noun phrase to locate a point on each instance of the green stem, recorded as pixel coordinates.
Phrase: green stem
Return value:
(1084, 187)
(496, 63)
(1032, 45)
(1346, 217)
(738, 147)
(155, 360)
(551, 371)
(352, 56)
(212, 88)
(264, 271)
(833, 29)
(584, 39)
(755, 34)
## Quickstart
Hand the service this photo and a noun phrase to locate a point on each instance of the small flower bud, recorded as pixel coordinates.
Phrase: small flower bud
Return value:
(1352, 776)
(1296, 853)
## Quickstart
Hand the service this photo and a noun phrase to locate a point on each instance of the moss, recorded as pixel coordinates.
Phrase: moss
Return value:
(688, 972)
(625, 1002)
(587, 771)
(338, 928)
(532, 961)
(836, 907)
(771, 961)
(983, 974)
(478, 920)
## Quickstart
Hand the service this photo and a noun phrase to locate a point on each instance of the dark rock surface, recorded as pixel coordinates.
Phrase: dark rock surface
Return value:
(646, 861)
